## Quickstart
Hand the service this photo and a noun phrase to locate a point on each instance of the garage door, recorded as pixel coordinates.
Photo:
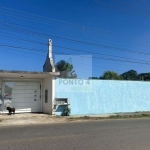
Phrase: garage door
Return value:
(26, 96)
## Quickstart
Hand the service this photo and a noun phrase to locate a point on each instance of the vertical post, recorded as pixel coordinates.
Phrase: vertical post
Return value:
(53, 94)
(50, 48)
(1, 96)
(50, 54)
(2, 92)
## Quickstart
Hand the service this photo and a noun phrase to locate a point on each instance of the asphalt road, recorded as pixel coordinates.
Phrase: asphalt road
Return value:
(96, 135)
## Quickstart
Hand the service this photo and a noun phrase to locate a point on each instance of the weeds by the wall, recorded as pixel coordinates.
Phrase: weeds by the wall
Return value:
(110, 117)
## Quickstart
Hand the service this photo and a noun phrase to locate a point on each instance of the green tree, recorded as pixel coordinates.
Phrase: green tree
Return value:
(144, 76)
(65, 69)
(93, 78)
(130, 75)
(111, 75)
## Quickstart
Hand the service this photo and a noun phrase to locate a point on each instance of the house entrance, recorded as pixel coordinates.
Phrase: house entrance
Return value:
(24, 96)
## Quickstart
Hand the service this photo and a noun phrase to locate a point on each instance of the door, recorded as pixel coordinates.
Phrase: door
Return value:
(24, 96)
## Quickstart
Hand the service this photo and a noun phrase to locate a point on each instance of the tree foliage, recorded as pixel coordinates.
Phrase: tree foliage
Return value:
(93, 78)
(144, 76)
(111, 75)
(65, 69)
(130, 75)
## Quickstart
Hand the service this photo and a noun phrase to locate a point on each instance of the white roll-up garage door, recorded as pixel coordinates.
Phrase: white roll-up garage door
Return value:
(26, 96)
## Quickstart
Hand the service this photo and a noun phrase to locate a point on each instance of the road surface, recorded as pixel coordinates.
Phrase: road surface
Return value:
(129, 134)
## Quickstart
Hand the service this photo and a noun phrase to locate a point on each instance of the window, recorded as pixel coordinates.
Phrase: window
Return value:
(0, 92)
(8, 94)
(8, 90)
(46, 96)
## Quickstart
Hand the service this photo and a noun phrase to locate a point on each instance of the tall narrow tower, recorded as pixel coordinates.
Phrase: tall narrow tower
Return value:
(49, 65)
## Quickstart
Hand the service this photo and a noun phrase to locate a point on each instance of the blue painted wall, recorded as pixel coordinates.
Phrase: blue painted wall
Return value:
(103, 96)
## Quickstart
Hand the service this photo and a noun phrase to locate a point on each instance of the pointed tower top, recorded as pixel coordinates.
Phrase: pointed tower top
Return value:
(49, 65)
(50, 48)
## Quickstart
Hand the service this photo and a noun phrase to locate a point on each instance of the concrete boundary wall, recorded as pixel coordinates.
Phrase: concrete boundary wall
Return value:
(103, 96)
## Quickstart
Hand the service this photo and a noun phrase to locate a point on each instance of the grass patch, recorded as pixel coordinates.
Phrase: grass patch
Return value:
(110, 117)
(145, 115)
(0, 120)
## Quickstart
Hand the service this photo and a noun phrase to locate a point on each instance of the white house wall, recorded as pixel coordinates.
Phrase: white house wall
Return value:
(48, 84)
(21, 95)
(45, 78)
(0, 85)
(0, 94)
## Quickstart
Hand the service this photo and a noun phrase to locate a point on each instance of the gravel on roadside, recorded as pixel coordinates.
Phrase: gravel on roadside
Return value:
(40, 118)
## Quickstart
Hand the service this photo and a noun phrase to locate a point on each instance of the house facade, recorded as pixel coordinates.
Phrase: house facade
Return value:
(29, 91)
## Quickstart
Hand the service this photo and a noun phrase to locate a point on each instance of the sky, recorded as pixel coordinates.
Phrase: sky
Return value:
(96, 35)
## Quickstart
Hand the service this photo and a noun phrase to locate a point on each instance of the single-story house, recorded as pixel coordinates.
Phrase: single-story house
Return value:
(29, 91)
